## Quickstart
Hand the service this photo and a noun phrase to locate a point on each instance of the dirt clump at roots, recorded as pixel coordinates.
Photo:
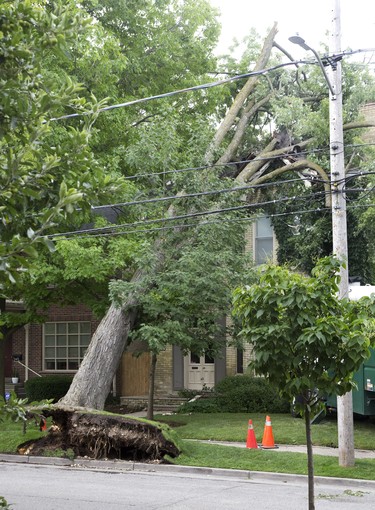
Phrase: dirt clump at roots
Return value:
(101, 436)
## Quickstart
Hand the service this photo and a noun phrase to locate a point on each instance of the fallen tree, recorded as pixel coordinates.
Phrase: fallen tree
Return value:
(93, 380)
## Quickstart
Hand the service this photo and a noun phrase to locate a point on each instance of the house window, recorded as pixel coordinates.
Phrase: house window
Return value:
(65, 344)
(239, 361)
(263, 240)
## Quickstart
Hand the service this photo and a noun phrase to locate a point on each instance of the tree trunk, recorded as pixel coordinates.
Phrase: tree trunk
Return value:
(93, 380)
(2, 352)
(151, 387)
(310, 459)
(242, 96)
(2, 367)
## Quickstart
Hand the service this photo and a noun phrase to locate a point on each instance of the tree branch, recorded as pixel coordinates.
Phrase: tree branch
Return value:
(241, 97)
(300, 165)
(248, 113)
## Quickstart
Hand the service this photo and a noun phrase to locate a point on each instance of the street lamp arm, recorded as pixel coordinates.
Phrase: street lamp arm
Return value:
(296, 39)
(324, 72)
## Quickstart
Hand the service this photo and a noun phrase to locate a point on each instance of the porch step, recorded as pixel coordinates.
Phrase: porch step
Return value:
(164, 403)
(18, 388)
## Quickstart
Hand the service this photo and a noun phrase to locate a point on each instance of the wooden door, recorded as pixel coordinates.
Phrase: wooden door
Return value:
(135, 374)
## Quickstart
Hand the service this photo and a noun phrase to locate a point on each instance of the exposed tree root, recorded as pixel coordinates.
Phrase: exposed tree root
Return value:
(101, 436)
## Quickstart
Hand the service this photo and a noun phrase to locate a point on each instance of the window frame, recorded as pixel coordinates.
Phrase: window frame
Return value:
(79, 329)
(270, 237)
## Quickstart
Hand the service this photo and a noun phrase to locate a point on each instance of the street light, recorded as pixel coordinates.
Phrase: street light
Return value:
(296, 39)
(339, 224)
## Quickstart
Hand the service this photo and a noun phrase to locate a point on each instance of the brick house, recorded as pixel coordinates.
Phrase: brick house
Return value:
(58, 345)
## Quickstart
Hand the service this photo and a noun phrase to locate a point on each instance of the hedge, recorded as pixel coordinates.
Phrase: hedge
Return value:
(47, 387)
(242, 393)
(238, 394)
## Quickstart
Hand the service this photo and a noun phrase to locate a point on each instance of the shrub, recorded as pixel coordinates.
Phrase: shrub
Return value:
(111, 400)
(186, 393)
(242, 393)
(4, 504)
(47, 387)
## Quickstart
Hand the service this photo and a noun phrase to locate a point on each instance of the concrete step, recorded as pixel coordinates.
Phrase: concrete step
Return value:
(18, 388)
(163, 403)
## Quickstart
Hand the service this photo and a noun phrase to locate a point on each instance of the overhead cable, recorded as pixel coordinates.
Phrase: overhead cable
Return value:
(200, 87)
(181, 216)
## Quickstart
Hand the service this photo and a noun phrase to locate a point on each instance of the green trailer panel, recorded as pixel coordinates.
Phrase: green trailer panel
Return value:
(364, 395)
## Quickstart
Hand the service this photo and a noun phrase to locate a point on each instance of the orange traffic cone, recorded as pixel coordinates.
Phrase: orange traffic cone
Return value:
(251, 441)
(268, 440)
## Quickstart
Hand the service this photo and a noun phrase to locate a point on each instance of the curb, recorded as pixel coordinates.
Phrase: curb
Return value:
(128, 466)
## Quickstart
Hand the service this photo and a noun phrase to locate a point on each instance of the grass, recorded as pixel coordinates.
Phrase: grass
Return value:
(230, 457)
(286, 430)
(11, 435)
(233, 427)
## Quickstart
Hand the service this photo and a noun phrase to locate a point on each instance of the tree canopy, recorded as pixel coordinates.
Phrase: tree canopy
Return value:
(259, 142)
(44, 170)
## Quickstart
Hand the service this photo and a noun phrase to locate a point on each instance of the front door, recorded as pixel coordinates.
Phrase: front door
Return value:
(200, 371)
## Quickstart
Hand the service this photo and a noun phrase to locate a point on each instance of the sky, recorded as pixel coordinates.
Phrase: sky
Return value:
(310, 19)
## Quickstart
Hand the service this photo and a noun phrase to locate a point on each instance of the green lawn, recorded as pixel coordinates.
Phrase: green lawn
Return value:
(11, 435)
(286, 430)
(233, 427)
(230, 457)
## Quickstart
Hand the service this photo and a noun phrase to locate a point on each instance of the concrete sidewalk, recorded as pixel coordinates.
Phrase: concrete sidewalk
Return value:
(317, 450)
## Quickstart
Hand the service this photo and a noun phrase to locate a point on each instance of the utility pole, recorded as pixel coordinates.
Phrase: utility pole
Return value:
(339, 224)
(339, 229)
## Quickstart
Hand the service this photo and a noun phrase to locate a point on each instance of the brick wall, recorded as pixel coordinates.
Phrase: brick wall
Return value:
(164, 373)
(231, 361)
(35, 333)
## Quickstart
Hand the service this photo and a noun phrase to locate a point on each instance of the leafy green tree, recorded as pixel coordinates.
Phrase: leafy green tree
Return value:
(187, 145)
(307, 342)
(46, 169)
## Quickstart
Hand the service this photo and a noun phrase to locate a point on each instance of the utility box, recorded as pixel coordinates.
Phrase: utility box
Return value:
(364, 395)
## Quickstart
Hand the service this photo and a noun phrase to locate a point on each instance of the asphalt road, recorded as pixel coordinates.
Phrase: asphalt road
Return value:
(33, 487)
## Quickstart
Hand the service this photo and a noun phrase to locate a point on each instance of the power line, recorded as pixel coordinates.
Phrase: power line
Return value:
(209, 212)
(227, 190)
(243, 161)
(189, 225)
(175, 92)
(201, 87)
(205, 193)
(183, 216)
(207, 223)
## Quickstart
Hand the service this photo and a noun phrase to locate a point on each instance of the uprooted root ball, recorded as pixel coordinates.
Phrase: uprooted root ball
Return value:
(101, 436)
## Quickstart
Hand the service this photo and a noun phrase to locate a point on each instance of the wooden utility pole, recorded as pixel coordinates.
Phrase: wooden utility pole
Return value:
(339, 224)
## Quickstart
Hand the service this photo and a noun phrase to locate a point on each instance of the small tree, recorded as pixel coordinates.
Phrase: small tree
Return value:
(306, 340)
(189, 298)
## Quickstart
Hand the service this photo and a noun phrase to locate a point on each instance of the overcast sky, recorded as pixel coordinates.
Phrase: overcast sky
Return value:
(311, 19)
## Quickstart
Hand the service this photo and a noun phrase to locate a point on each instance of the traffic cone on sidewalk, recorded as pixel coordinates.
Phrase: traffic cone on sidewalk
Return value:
(268, 440)
(251, 441)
